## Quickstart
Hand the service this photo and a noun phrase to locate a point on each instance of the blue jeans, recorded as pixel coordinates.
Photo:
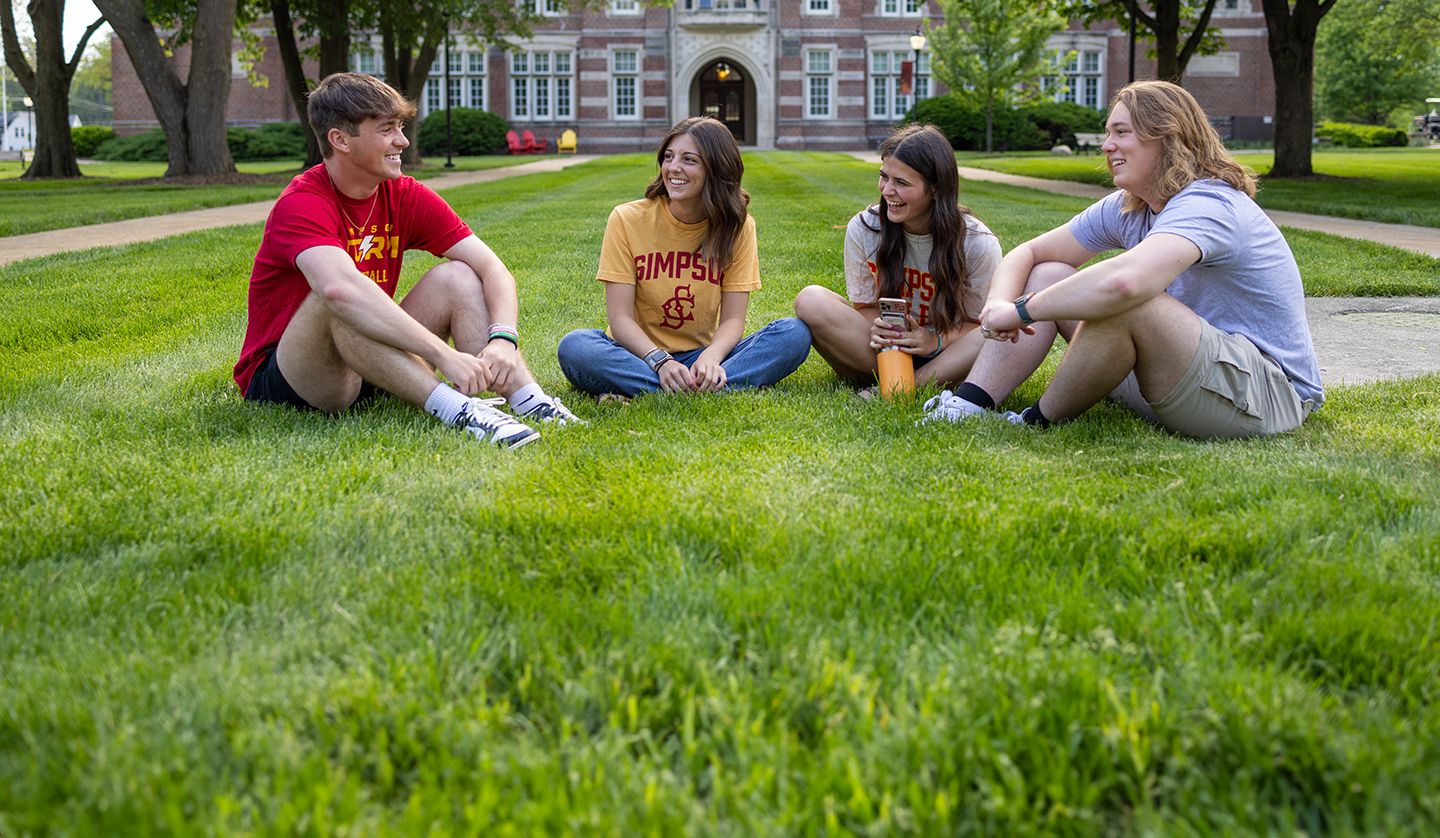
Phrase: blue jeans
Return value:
(596, 364)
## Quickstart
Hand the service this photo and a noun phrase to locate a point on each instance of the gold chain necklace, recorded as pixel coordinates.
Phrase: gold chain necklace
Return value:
(341, 204)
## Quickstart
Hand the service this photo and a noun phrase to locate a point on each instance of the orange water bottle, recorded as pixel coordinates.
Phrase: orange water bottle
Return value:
(896, 368)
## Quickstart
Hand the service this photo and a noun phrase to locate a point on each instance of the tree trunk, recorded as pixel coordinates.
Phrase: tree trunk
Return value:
(1167, 41)
(335, 40)
(162, 86)
(208, 104)
(48, 84)
(989, 129)
(295, 81)
(409, 76)
(1292, 61)
(192, 116)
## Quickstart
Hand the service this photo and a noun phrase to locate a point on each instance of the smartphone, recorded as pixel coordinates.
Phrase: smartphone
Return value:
(894, 310)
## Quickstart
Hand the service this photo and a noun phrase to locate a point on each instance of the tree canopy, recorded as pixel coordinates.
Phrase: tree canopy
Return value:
(993, 52)
(1377, 60)
(1179, 29)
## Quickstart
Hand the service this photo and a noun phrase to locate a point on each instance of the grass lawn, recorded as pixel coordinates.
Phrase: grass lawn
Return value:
(779, 613)
(1393, 185)
(36, 206)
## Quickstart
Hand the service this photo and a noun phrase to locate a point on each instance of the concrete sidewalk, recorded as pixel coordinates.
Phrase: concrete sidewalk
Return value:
(32, 245)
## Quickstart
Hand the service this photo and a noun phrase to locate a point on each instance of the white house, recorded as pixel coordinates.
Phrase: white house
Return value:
(20, 130)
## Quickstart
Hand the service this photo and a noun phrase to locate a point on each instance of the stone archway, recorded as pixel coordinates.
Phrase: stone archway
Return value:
(727, 93)
(698, 56)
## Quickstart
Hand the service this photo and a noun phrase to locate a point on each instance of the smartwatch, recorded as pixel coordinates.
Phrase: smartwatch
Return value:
(656, 358)
(1020, 309)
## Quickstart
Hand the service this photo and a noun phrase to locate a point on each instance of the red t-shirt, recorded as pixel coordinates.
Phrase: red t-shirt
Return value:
(404, 214)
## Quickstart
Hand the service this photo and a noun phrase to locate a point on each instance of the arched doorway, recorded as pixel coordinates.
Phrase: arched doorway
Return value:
(723, 95)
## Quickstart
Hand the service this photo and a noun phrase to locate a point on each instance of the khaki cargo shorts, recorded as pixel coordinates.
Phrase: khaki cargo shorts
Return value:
(1232, 389)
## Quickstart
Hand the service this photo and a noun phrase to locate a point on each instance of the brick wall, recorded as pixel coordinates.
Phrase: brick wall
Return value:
(250, 105)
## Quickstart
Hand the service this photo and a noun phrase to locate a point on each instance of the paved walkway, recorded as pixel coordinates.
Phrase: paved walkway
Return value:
(1357, 339)
(31, 245)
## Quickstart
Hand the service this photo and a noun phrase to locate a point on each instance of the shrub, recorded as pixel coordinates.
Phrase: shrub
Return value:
(87, 138)
(149, 147)
(269, 141)
(1024, 129)
(1060, 121)
(1351, 135)
(472, 131)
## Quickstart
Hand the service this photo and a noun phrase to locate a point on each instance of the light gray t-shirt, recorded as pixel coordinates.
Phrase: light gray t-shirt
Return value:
(1246, 282)
(982, 255)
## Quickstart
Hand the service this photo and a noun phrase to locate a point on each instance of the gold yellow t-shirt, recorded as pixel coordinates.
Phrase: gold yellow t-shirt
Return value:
(677, 296)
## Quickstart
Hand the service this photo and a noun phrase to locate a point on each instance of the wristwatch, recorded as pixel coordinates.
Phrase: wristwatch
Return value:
(656, 358)
(1020, 309)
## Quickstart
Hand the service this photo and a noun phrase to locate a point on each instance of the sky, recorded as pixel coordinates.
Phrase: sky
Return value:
(78, 15)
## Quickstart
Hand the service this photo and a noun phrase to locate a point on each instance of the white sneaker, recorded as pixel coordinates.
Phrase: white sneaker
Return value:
(948, 407)
(551, 411)
(480, 419)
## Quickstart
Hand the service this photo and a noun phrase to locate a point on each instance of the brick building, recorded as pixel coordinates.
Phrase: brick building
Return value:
(786, 74)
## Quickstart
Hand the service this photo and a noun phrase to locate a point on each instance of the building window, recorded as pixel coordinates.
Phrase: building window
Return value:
(550, 8)
(722, 5)
(903, 8)
(625, 7)
(467, 82)
(818, 67)
(364, 60)
(537, 80)
(886, 100)
(625, 68)
(818, 7)
(1079, 76)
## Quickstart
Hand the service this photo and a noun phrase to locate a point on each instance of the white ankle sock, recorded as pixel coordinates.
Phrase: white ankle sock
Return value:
(527, 398)
(445, 403)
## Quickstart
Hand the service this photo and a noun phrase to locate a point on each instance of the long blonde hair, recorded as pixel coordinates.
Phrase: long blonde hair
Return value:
(1190, 148)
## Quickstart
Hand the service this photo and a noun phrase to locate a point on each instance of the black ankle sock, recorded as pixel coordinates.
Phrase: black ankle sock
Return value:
(1033, 416)
(974, 395)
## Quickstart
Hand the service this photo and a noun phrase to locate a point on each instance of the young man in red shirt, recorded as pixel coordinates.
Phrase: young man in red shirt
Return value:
(324, 328)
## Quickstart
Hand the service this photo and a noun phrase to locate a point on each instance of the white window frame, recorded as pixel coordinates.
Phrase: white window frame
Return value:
(819, 79)
(1081, 76)
(818, 7)
(885, 75)
(551, 8)
(358, 57)
(626, 8)
(536, 77)
(623, 75)
(904, 8)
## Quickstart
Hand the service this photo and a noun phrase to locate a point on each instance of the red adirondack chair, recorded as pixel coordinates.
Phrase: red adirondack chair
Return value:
(516, 146)
(536, 146)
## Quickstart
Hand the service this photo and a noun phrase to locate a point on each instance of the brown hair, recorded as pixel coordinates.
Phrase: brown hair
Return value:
(344, 100)
(924, 149)
(724, 201)
(1190, 148)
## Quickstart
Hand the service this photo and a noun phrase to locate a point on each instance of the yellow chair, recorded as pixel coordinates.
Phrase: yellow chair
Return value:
(566, 142)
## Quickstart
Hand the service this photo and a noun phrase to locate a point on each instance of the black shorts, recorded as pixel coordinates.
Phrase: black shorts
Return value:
(268, 385)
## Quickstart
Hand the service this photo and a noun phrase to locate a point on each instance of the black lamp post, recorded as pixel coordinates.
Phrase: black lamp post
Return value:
(917, 43)
(449, 152)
